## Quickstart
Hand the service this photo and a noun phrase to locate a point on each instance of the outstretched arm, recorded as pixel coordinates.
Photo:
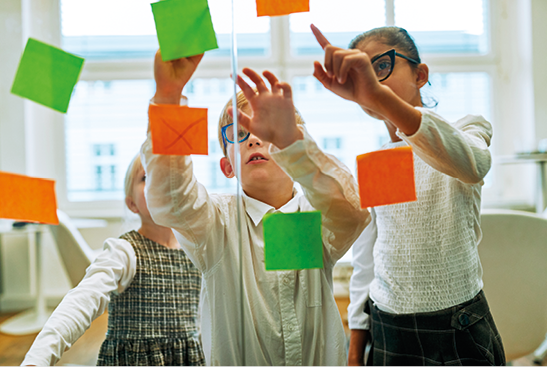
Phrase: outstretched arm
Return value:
(327, 183)
(349, 74)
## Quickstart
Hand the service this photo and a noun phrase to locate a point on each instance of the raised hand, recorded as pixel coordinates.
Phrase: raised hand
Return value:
(347, 73)
(273, 115)
(172, 76)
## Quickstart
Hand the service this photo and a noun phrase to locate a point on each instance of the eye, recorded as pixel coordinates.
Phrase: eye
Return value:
(383, 65)
(143, 178)
(241, 134)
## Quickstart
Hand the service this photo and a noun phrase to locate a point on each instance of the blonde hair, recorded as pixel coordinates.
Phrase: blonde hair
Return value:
(132, 170)
(226, 119)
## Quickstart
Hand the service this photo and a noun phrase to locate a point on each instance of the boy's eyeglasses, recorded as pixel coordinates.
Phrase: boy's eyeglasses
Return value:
(228, 134)
(383, 64)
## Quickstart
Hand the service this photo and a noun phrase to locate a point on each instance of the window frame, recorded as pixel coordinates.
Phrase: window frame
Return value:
(286, 66)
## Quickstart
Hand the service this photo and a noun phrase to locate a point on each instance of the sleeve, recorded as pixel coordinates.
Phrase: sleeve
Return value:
(177, 200)
(112, 271)
(459, 150)
(329, 187)
(362, 276)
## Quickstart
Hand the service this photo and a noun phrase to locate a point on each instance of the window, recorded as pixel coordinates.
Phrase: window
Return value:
(107, 119)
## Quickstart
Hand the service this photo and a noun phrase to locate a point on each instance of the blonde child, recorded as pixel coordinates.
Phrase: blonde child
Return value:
(152, 292)
(423, 301)
(290, 317)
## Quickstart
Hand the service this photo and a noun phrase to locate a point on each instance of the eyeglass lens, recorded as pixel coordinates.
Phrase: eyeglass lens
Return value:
(382, 67)
(241, 134)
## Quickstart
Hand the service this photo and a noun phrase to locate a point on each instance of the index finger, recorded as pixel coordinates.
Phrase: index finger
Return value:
(323, 41)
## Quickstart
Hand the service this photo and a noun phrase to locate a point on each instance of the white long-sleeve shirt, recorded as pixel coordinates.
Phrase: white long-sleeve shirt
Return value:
(290, 317)
(112, 271)
(425, 252)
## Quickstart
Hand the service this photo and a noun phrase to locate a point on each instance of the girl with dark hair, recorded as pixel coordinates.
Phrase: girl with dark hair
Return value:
(416, 290)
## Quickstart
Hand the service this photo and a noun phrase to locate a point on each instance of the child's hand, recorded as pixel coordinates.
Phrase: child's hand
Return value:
(273, 119)
(348, 74)
(172, 76)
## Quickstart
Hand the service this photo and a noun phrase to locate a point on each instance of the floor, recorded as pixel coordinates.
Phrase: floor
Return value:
(84, 351)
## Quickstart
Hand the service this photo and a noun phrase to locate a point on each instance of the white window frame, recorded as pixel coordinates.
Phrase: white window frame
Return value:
(47, 159)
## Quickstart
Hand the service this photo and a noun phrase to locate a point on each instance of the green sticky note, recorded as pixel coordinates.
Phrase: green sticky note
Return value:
(184, 28)
(293, 241)
(47, 75)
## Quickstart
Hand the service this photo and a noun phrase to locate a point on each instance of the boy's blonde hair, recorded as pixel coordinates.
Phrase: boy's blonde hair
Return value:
(132, 170)
(226, 119)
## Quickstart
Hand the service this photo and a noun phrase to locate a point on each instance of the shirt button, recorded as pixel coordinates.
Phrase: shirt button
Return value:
(286, 280)
(290, 328)
(463, 319)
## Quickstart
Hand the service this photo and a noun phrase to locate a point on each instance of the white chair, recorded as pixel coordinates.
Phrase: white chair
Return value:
(74, 250)
(513, 254)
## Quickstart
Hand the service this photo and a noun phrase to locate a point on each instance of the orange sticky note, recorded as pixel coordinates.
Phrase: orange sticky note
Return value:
(281, 7)
(178, 130)
(27, 199)
(386, 177)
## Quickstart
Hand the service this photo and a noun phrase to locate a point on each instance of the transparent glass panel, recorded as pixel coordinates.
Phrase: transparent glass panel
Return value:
(127, 30)
(445, 26)
(106, 125)
(341, 128)
(340, 23)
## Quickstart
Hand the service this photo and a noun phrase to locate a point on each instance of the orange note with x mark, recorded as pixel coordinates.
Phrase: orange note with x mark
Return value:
(281, 7)
(27, 199)
(386, 177)
(178, 130)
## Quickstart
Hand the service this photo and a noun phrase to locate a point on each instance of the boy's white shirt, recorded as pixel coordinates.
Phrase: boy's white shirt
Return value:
(459, 151)
(291, 317)
(112, 271)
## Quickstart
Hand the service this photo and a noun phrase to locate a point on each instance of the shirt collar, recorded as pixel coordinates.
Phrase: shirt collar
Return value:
(257, 209)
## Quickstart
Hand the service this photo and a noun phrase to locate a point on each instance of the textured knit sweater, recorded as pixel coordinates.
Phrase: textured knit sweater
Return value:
(425, 252)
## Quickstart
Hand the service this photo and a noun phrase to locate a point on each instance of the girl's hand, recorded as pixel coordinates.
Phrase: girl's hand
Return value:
(348, 73)
(172, 76)
(273, 115)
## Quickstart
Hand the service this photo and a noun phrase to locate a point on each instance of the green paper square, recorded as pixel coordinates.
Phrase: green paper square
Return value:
(293, 241)
(184, 28)
(47, 75)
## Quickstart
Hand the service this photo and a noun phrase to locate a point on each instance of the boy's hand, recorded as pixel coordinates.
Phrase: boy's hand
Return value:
(348, 73)
(172, 76)
(273, 119)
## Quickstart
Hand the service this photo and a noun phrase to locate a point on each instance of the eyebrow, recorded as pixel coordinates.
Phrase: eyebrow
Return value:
(374, 58)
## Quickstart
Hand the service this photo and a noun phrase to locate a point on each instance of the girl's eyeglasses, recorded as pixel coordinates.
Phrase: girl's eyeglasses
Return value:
(228, 134)
(383, 64)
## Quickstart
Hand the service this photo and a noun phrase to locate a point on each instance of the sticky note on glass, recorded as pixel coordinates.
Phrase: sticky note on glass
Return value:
(386, 177)
(47, 75)
(184, 28)
(281, 7)
(27, 199)
(178, 130)
(293, 241)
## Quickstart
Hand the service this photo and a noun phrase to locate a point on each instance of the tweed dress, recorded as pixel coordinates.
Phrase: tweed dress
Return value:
(154, 322)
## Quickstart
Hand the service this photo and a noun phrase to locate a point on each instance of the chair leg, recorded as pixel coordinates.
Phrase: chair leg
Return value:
(541, 352)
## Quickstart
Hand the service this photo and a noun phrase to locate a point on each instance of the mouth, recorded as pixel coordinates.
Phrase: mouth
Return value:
(256, 158)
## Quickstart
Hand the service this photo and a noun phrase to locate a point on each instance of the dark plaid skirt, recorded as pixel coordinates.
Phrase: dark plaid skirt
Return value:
(461, 335)
(185, 351)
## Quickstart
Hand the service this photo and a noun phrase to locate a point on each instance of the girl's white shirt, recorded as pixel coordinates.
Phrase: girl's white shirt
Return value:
(422, 256)
(112, 271)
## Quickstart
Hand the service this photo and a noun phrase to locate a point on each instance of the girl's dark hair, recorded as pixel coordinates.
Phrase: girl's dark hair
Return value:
(394, 37)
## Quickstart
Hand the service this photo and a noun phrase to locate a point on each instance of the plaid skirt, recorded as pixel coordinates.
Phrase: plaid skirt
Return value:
(184, 351)
(464, 334)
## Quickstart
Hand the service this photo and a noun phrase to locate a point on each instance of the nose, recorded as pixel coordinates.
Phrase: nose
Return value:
(253, 141)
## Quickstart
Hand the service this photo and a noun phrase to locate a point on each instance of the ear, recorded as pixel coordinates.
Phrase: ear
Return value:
(226, 167)
(422, 75)
(131, 204)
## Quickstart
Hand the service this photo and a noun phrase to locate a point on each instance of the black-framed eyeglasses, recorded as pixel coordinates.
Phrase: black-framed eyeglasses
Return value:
(228, 134)
(383, 64)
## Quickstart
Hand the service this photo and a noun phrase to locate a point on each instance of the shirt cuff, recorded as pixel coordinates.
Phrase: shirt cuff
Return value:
(405, 137)
(183, 101)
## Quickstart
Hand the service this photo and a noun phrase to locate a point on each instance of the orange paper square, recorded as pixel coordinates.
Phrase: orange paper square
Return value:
(27, 199)
(178, 130)
(386, 177)
(281, 7)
